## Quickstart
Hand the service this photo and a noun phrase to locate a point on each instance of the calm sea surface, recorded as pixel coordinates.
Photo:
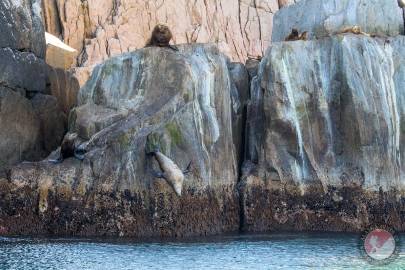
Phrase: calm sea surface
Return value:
(273, 251)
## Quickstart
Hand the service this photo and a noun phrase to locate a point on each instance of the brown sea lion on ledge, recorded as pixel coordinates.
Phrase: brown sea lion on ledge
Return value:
(69, 149)
(353, 30)
(295, 35)
(161, 36)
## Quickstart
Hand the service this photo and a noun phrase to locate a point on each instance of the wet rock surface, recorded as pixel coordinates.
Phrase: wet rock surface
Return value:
(322, 148)
(331, 124)
(275, 206)
(184, 110)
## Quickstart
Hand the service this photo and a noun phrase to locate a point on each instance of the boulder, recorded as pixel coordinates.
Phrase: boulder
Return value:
(323, 18)
(178, 103)
(23, 76)
(327, 151)
(21, 26)
(19, 133)
(22, 70)
(58, 54)
(52, 121)
(63, 85)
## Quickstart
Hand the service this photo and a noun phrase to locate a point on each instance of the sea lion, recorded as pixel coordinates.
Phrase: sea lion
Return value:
(161, 36)
(170, 171)
(295, 35)
(353, 30)
(303, 36)
(69, 149)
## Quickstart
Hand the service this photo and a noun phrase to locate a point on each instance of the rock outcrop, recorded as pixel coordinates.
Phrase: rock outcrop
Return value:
(58, 54)
(153, 98)
(322, 18)
(322, 150)
(22, 77)
(21, 26)
(102, 29)
(52, 121)
(64, 86)
(326, 127)
(19, 133)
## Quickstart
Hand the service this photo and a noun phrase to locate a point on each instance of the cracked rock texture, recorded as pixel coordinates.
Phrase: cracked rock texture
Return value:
(322, 150)
(327, 136)
(177, 102)
(21, 26)
(64, 86)
(100, 29)
(325, 123)
(321, 18)
(23, 76)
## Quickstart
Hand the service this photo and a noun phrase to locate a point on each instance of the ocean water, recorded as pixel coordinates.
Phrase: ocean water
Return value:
(272, 251)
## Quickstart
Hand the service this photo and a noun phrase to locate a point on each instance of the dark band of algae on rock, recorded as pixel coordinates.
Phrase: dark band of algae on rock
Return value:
(323, 146)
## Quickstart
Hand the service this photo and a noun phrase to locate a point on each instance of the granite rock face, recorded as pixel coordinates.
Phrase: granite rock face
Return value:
(21, 26)
(22, 77)
(239, 96)
(19, 133)
(177, 102)
(100, 29)
(285, 3)
(330, 147)
(64, 86)
(52, 121)
(22, 70)
(323, 18)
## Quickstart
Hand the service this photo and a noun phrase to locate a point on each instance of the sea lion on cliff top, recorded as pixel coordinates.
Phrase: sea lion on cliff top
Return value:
(295, 35)
(170, 171)
(161, 36)
(69, 149)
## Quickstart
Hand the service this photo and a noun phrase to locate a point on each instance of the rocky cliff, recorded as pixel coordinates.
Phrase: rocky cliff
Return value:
(316, 144)
(100, 29)
(23, 106)
(326, 123)
(153, 98)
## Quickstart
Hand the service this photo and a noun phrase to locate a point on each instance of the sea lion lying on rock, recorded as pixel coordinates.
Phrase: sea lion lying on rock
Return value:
(161, 36)
(170, 171)
(353, 30)
(69, 148)
(295, 35)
